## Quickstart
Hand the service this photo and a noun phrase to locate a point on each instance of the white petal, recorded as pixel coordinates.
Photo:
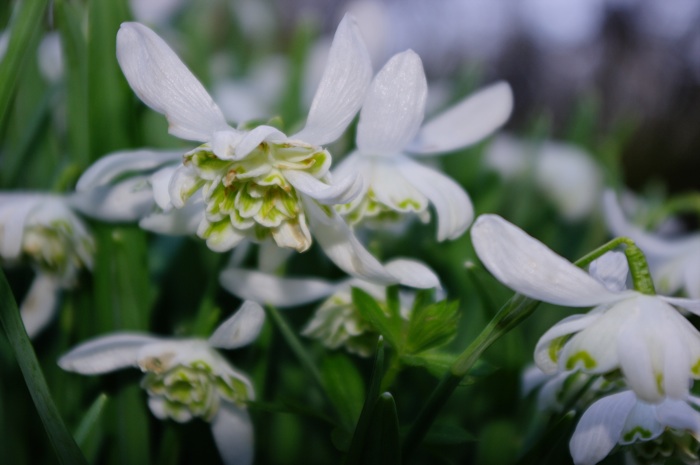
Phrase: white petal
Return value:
(271, 257)
(220, 240)
(692, 305)
(388, 184)
(467, 122)
(160, 183)
(641, 424)
(343, 248)
(118, 164)
(611, 269)
(241, 329)
(532, 378)
(233, 435)
(678, 414)
(342, 190)
(176, 222)
(636, 362)
(39, 305)
(105, 354)
(394, 106)
(454, 209)
(691, 277)
(15, 210)
(128, 200)
(342, 88)
(165, 84)
(595, 348)
(529, 267)
(413, 273)
(182, 183)
(547, 360)
(269, 289)
(599, 428)
(229, 146)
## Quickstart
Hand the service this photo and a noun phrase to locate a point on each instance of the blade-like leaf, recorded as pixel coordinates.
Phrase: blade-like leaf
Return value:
(383, 442)
(345, 388)
(86, 435)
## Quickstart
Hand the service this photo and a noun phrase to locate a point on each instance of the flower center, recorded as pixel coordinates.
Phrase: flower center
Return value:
(56, 248)
(251, 198)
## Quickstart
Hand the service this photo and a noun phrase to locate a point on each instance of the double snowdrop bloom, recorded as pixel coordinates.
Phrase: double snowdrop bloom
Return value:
(644, 336)
(624, 419)
(259, 184)
(337, 322)
(389, 131)
(674, 261)
(42, 231)
(564, 173)
(186, 378)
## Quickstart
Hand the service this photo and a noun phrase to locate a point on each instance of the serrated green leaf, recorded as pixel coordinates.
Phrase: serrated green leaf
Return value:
(345, 388)
(432, 326)
(375, 315)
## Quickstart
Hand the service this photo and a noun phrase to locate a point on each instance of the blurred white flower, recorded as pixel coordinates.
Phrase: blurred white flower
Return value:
(390, 128)
(50, 57)
(624, 419)
(186, 378)
(562, 25)
(564, 173)
(155, 11)
(655, 347)
(42, 231)
(674, 261)
(259, 184)
(337, 322)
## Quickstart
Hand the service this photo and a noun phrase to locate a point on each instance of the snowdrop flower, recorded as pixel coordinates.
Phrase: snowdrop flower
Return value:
(624, 419)
(337, 322)
(186, 378)
(390, 129)
(50, 57)
(674, 262)
(258, 184)
(564, 173)
(654, 346)
(41, 230)
(155, 11)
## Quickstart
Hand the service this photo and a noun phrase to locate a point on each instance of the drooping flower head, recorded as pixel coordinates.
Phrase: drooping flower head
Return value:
(644, 336)
(186, 378)
(390, 129)
(41, 230)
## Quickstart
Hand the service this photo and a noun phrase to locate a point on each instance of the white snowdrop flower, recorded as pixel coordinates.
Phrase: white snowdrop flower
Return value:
(155, 11)
(625, 419)
(390, 129)
(674, 261)
(644, 336)
(42, 231)
(565, 174)
(50, 57)
(186, 378)
(259, 184)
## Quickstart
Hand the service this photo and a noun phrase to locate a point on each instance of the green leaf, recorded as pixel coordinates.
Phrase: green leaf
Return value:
(383, 440)
(432, 326)
(375, 315)
(345, 388)
(446, 434)
(64, 445)
(86, 433)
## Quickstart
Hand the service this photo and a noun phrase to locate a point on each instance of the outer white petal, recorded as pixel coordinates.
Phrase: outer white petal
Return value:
(569, 325)
(692, 305)
(115, 165)
(641, 424)
(39, 305)
(105, 354)
(394, 106)
(454, 208)
(611, 269)
(176, 222)
(241, 329)
(233, 435)
(678, 414)
(467, 122)
(269, 289)
(532, 378)
(160, 183)
(599, 428)
(691, 276)
(128, 200)
(529, 267)
(15, 210)
(342, 88)
(413, 273)
(342, 190)
(271, 257)
(343, 248)
(165, 84)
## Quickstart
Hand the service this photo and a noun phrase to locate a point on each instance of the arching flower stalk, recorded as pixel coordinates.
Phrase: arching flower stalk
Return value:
(186, 378)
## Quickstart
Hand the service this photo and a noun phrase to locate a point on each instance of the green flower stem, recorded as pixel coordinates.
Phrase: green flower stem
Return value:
(510, 315)
(64, 445)
(293, 341)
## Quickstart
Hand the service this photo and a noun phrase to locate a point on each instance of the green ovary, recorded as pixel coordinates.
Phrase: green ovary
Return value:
(253, 196)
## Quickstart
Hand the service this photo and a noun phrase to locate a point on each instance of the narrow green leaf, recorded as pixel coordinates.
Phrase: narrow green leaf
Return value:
(375, 315)
(64, 445)
(25, 28)
(345, 388)
(87, 434)
(383, 440)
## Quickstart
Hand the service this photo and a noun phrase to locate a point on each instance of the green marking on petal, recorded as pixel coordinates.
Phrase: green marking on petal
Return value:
(659, 377)
(555, 347)
(581, 356)
(405, 204)
(642, 433)
(696, 368)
